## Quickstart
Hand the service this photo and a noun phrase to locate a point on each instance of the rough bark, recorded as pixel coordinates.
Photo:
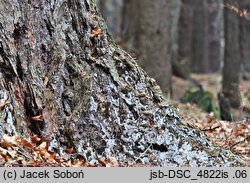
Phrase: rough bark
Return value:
(92, 96)
(232, 59)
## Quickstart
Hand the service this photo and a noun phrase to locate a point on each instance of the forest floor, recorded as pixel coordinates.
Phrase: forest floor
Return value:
(233, 135)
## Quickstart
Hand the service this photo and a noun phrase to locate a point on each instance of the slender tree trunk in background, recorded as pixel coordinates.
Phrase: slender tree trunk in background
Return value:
(112, 11)
(130, 26)
(147, 34)
(181, 66)
(62, 77)
(215, 25)
(200, 37)
(232, 58)
(154, 41)
(174, 8)
(245, 39)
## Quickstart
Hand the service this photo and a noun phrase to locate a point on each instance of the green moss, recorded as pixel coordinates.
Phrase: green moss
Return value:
(94, 1)
(247, 95)
(40, 72)
(203, 99)
(113, 70)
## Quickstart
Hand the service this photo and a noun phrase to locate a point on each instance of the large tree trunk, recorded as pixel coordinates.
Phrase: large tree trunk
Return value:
(232, 58)
(57, 64)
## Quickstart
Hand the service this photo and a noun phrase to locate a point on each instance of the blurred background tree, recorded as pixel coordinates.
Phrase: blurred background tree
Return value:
(215, 34)
(112, 10)
(245, 40)
(232, 59)
(200, 37)
(182, 37)
(181, 65)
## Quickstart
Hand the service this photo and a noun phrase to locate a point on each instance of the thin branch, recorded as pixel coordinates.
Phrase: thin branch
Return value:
(236, 8)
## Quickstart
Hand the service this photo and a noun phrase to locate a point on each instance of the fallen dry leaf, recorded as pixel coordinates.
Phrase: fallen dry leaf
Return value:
(46, 80)
(102, 162)
(42, 146)
(112, 162)
(78, 163)
(37, 118)
(8, 141)
(91, 165)
(3, 104)
(26, 143)
(95, 32)
(69, 150)
(35, 139)
(210, 119)
(19, 151)
(4, 156)
(248, 139)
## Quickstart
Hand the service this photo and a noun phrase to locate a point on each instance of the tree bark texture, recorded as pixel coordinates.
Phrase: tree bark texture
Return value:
(58, 64)
(232, 58)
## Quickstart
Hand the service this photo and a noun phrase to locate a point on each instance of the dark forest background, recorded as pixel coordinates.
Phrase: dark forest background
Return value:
(183, 38)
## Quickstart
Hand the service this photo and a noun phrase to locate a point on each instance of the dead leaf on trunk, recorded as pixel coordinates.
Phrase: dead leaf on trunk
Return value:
(3, 104)
(37, 118)
(95, 32)
(46, 80)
